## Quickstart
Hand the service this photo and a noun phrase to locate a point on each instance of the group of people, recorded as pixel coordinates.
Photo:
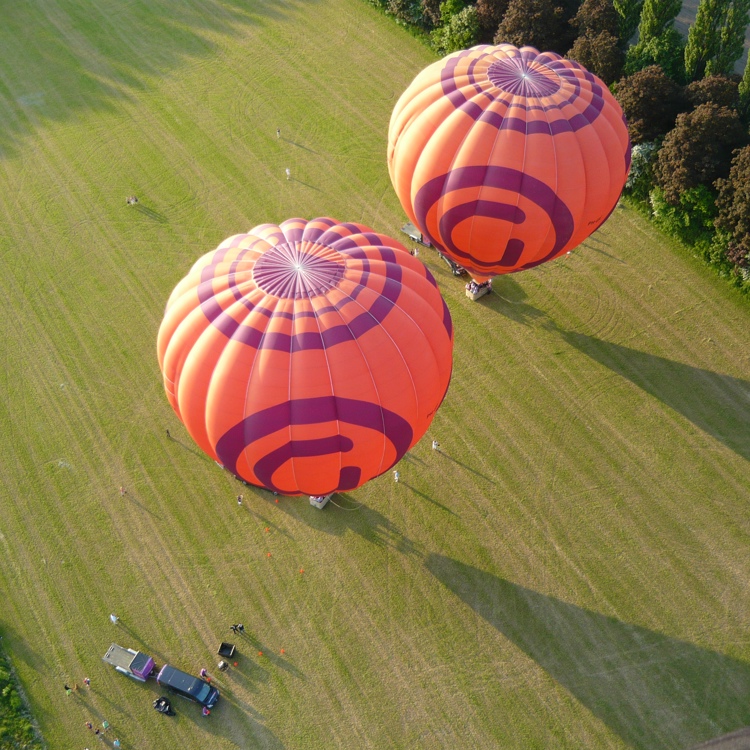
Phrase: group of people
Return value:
(131, 200)
(473, 287)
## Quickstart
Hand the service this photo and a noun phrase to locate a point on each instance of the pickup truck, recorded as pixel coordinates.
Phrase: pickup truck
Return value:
(131, 663)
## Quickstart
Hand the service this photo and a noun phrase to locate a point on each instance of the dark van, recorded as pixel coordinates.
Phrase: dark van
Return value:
(187, 686)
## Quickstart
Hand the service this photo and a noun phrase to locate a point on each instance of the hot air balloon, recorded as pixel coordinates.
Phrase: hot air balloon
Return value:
(506, 158)
(307, 357)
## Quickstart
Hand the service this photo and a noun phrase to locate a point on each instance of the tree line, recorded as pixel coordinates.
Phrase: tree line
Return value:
(687, 112)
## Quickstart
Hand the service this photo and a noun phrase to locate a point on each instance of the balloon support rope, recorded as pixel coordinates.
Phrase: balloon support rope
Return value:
(359, 505)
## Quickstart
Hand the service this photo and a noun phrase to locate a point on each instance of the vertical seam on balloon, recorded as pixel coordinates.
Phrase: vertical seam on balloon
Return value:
(519, 192)
(328, 364)
(294, 252)
(450, 168)
(250, 375)
(338, 308)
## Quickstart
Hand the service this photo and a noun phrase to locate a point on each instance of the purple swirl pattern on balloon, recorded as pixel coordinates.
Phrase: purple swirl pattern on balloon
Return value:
(502, 177)
(311, 411)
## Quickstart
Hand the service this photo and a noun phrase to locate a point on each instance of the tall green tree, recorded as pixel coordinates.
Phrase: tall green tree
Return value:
(745, 91)
(731, 39)
(716, 38)
(656, 17)
(629, 12)
(703, 37)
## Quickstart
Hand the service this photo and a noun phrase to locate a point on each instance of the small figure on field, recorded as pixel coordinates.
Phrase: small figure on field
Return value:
(131, 200)
(169, 437)
(123, 491)
(278, 132)
(203, 672)
(239, 499)
(114, 619)
(435, 445)
(87, 682)
(288, 173)
(68, 691)
(89, 725)
(234, 629)
(241, 628)
(396, 476)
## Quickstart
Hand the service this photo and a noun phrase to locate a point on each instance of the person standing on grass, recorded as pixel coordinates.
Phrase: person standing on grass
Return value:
(278, 133)
(288, 173)
(239, 500)
(396, 476)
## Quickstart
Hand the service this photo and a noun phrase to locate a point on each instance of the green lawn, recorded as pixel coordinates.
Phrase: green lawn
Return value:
(570, 572)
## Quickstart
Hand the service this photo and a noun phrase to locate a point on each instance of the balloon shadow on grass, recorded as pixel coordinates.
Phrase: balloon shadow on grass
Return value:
(717, 404)
(507, 298)
(343, 514)
(652, 690)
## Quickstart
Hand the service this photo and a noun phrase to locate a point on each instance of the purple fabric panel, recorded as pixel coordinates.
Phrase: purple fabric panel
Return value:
(304, 412)
(349, 478)
(502, 177)
(270, 463)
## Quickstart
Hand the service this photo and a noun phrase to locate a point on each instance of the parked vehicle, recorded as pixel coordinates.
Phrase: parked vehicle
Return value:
(134, 664)
(184, 684)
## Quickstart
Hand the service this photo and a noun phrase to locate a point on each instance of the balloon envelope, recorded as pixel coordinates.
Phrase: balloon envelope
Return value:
(506, 158)
(308, 357)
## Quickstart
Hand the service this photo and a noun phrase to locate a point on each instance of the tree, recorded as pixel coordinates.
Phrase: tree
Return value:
(629, 12)
(715, 40)
(744, 90)
(698, 150)
(595, 16)
(719, 90)
(731, 39)
(667, 51)
(651, 103)
(489, 15)
(533, 22)
(406, 11)
(431, 13)
(461, 31)
(600, 54)
(733, 203)
(656, 17)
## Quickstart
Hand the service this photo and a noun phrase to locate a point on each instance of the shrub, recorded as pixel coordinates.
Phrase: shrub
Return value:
(461, 31)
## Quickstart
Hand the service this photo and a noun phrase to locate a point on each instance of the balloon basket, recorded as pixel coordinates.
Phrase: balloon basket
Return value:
(320, 501)
(474, 291)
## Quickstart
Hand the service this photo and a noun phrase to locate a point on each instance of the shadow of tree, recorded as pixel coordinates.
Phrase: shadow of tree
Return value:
(77, 55)
(652, 690)
(717, 404)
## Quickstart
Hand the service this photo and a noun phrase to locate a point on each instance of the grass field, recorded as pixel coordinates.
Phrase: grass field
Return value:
(570, 572)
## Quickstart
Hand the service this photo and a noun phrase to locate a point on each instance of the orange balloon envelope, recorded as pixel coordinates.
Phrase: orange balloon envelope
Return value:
(308, 357)
(506, 158)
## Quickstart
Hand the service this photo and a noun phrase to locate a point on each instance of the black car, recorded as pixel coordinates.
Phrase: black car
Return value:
(187, 686)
